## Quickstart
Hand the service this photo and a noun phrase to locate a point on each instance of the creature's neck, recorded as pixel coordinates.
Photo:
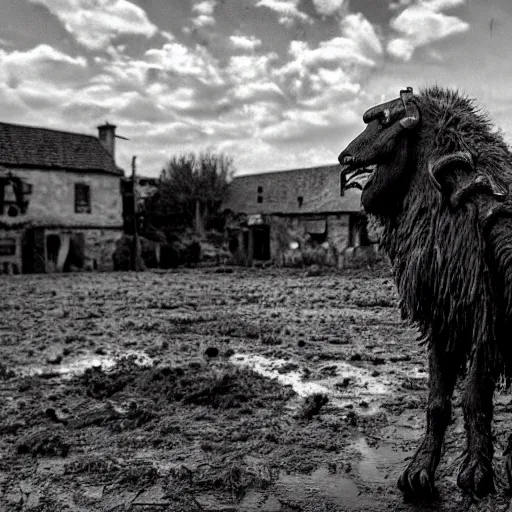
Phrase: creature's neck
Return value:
(418, 209)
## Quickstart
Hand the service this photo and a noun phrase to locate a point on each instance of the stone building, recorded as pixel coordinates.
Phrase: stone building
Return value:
(60, 199)
(296, 217)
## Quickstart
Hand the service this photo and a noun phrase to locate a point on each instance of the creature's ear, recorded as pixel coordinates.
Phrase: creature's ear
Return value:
(456, 178)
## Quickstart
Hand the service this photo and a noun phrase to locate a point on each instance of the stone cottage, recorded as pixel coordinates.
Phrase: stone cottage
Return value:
(60, 199)
(295, 217)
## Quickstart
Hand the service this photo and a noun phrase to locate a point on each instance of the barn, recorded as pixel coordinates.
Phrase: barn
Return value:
(296, 217)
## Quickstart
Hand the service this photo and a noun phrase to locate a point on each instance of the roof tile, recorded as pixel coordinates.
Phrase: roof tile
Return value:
(33, 147)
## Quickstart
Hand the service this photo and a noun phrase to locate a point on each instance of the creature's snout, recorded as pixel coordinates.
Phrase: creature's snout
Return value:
(393, 117)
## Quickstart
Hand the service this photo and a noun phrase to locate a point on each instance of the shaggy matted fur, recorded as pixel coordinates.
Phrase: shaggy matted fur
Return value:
(452, 264)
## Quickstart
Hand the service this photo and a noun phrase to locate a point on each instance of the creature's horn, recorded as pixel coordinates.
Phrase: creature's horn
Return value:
(388, 110)
(446, 163)
(402, 106)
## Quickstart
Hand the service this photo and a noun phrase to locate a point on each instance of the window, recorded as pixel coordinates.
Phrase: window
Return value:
(260, 190)
(82, 198)
(300, 200)
(260, 199)
(7, 247)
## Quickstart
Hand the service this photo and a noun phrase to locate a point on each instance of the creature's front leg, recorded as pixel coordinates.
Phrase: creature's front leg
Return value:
(476, 473)
(418, 476)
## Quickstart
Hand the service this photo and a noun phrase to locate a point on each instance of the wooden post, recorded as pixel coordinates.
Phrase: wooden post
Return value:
(135, 248)
(198, 219)
(250, 247)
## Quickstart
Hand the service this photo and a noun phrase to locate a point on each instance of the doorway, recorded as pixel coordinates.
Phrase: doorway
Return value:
(52, 252)
(261, 241)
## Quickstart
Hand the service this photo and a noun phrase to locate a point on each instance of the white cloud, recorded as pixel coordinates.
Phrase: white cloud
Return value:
(250, 77)
(206, 7)
(328, 7)
(334, 70)
(177, 58)
(182, 98)
(335, 52)
(204, 12)
(401, 48)
(399, 4)
(41, 54)
(95, 23)
(247, 68)
(167, 35)
(287, 10)
(423, 23)
(356, 28)
(441, 5)
(258, 91)
(322, 82)
(42, 62)
(203, 21)
(245, 43)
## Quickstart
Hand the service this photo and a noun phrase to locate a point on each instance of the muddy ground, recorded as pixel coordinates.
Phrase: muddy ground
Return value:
(202, 390)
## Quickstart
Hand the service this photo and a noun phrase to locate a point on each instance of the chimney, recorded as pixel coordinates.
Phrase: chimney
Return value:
(107, 136)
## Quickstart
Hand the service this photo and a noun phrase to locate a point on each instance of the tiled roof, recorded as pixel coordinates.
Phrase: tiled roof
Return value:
(279, 192)
(41, 148)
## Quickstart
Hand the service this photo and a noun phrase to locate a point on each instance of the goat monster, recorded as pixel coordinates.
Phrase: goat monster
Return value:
(438, 184)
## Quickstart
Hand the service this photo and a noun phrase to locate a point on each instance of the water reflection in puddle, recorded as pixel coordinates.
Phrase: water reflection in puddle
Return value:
(293, 489)
(79, 364)
(362, 385)
(378, 464)
(270, 368)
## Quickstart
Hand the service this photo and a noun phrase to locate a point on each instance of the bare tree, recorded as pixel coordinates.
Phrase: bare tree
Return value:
(192, 187)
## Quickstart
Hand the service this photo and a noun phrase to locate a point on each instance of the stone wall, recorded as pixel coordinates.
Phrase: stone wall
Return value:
(292, 245)
(99, 248)
(52, 201)
(11, 251)
(50, 250)
(51, 230)
(298, 191)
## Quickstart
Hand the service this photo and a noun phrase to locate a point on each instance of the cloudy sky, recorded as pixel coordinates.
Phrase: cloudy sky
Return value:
(276, 84)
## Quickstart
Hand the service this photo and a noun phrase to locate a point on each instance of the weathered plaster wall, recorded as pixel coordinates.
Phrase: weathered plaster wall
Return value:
(99, 248)
(53, 198)
(285, 230)
(11, 263)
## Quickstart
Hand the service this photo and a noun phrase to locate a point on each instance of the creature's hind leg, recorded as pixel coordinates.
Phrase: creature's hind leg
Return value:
(418, 476)
(476, 473)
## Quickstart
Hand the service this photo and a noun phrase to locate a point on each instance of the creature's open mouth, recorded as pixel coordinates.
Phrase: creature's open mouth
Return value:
(357, 176)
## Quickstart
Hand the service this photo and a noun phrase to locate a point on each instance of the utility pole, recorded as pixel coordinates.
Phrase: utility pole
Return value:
(136, 245)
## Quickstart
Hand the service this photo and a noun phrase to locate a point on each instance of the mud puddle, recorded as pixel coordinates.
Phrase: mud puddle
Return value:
(352, 385)
(80, 364)
(289, 490)
(378, 465)
(376, 468)
(273, 369)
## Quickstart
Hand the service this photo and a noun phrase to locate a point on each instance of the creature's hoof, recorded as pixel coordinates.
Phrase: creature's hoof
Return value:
(476, 477)
(416, 480)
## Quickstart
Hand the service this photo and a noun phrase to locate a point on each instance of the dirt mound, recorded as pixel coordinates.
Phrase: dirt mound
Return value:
(100, 384)
(218, 386)
(44, 443)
